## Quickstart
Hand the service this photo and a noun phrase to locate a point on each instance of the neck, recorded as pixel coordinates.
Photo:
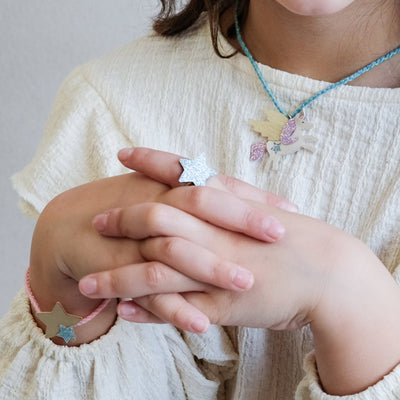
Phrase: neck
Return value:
(328, 47)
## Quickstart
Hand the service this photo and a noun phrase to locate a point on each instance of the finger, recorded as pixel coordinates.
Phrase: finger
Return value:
(133, 312)
(174, 309)
(226, 210)
(161, 166)
(197, 263)
(165, 167)
(205, 204)
(146, 220)
(249, 192)
(136, 281)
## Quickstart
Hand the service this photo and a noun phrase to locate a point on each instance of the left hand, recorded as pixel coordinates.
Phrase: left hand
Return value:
(315, 274)
(292, 275)
(307, 267)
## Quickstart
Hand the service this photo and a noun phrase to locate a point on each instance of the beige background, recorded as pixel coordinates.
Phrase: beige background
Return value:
(41, 41)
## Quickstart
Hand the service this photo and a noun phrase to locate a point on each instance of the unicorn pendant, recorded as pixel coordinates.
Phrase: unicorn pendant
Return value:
(283, 136)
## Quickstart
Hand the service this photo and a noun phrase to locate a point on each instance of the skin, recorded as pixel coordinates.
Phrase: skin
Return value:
(312, 275)
(323, 40)
(299, 285)
(314, 8)
(66, 247)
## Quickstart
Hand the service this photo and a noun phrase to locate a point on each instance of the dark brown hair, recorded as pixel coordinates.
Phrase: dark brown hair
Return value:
(171, 22)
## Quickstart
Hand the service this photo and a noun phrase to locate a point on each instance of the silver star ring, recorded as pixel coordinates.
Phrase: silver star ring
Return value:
(196, 171)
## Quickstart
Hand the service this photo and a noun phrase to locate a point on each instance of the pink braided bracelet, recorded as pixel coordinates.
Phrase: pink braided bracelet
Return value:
(58, 322)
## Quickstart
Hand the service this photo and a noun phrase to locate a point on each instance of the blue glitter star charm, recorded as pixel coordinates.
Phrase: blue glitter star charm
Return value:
(276, 148)
(67, 333)
(196, 171)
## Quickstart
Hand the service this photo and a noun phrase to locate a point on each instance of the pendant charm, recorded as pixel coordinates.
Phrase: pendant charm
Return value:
(257, 150)
(289, 140)
(272, 127)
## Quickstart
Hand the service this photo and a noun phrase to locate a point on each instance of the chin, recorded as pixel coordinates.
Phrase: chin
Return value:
(313, 8)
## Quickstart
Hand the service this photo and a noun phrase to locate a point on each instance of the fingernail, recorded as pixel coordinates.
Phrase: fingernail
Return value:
(88, 285)
(273, 229)
(124, 154)
(199, 325)
(243, 279)
(126, 310)
(288, 206)
(100, 222)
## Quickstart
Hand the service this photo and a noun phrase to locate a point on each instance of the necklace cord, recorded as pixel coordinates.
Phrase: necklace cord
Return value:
(330, 87)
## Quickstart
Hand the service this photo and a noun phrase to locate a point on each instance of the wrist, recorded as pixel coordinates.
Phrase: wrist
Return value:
(356, 325)
(53, 287)
(52, 281)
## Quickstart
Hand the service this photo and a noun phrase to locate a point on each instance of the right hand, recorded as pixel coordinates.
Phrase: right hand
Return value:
(66, 247)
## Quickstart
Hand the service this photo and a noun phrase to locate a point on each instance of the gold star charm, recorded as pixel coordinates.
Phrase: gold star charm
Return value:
(58, 316)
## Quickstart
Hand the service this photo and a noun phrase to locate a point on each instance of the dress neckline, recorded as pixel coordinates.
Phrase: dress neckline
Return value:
(299, 83)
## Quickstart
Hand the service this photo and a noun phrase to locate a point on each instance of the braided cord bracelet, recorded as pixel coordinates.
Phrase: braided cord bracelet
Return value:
(58, 322)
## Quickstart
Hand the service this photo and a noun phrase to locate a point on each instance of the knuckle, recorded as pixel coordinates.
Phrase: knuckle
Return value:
(170, 247)
(248, 218)
(154, 301)
(214, 315)
(272, 199)
(220, 313)
(117, 221)
(177, 316)
(218, 265)
(155, 275)
(111, 282)
(229, 182)
(155, 215)
(198, 197)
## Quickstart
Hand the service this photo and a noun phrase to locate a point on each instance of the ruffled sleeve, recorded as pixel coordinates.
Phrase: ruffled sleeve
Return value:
(310, 388)
(80, 144)
(132, 361)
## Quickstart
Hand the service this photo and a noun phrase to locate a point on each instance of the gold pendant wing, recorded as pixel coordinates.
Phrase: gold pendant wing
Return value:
(271, 128)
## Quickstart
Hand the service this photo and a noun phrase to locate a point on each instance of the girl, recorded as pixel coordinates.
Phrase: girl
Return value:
(180, 252)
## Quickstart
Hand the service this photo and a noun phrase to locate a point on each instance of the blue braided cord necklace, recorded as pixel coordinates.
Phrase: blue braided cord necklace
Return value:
(279, 146)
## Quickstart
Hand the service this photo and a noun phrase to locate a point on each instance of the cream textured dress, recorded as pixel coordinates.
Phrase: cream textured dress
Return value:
(178, 95)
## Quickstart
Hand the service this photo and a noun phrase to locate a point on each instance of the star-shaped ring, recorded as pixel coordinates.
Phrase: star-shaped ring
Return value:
(196, 171)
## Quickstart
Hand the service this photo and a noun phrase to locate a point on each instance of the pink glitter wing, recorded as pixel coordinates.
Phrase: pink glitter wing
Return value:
(287, 132)
(258, 150)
